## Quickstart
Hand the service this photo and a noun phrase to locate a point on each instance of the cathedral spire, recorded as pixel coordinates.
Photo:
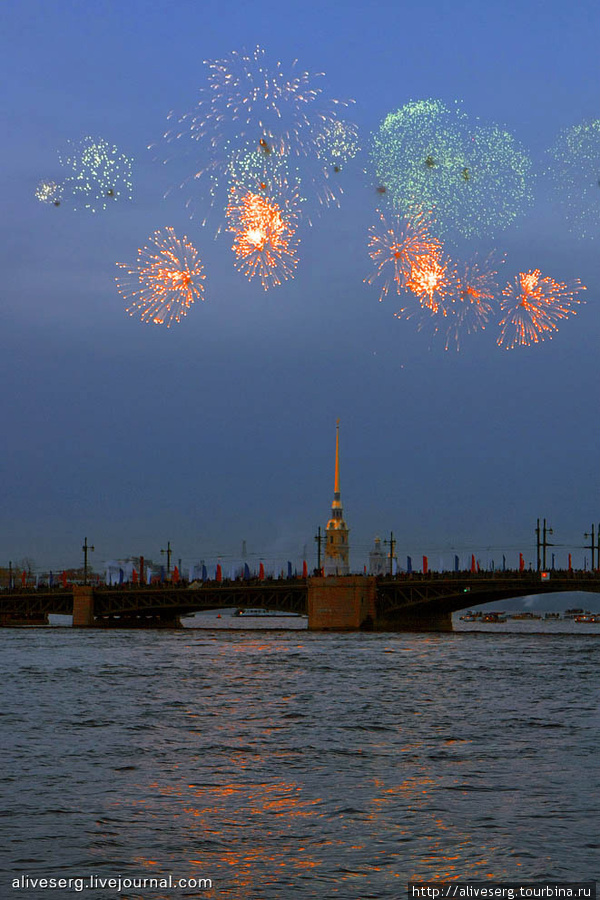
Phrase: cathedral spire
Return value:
(336, 486)
(336, 540)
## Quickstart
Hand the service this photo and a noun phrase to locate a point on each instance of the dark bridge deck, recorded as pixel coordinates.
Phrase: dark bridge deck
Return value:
(421, 602)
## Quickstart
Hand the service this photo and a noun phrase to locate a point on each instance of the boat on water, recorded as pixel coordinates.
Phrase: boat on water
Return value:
(263, 613)
(527, 616)
(471, 616)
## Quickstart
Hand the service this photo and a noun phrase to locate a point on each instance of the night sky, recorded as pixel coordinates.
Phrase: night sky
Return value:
(222, 429)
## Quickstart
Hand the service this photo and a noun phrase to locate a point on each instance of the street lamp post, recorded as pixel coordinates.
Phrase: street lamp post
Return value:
(318, 539)
(392, 544)
(169, 552)
(592, 545)
(545, 543)
(85, 549)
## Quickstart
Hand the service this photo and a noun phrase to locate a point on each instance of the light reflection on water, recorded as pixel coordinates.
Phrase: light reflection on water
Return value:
(281, 764)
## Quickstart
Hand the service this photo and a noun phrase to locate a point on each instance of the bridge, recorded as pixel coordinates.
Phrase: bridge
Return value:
(403, 603)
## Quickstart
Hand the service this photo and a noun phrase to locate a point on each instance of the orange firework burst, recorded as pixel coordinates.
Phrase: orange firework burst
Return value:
(166, 281)
(475, 301)
(433, 281)
(264, 237)
(533, 306)
(397, 247)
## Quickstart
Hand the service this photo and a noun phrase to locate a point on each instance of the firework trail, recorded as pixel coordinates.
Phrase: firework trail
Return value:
(532, 306)
(396, 247)
(576, 176)
(100, 174)
(264, 242)
(166, 282)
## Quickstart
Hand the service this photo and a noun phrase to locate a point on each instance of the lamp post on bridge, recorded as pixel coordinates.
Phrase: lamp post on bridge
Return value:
(392, 544)
(542, 543)
(319, 539)
(169, 553)
(85, 549)
(592, 546)
(546, 543)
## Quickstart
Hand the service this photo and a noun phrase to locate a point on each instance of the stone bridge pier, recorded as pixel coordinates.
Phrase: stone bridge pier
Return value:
(83, 606)
(341, 603)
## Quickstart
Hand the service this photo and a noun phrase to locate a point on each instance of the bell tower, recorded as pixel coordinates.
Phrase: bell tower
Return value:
(337, 550)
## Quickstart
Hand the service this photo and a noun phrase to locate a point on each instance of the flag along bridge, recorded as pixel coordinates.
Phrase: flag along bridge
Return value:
(413, 602)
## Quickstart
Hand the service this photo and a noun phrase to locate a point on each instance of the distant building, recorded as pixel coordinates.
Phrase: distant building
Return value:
(337, 550)
(378, 563)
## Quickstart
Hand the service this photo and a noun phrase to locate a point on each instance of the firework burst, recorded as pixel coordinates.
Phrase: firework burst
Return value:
(473, 176)
(166, 281)
(250, 104)
(246, 100)
(252, 171)
(533, 306)
(576, 176)
(336, 143)
(100, 174)
(397, 246)
(433, 282)
(49, 192)
(475, 301)
(264, 242)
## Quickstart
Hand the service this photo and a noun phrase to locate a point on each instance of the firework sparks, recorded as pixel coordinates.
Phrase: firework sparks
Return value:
(476, 299)
(166, 281)
(433, 281)
(49, 192)
(101, 174)
(250, 103)
(250, 171)
(576, 176)
(474, 177)
(264, 237)
(337, 142)
(532, 306)
(397, 247)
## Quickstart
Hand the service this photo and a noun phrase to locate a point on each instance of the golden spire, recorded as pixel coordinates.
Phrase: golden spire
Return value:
(336, 487)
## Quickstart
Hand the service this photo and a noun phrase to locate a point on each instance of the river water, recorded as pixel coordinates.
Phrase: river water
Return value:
(290, 764)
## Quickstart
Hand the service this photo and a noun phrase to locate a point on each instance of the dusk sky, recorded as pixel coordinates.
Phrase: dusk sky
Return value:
(221, 429)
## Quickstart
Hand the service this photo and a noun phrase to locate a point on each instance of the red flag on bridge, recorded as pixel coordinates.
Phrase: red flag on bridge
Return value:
(304, 569)
(521, 562)
(473, 563)
(219, 573)
(176, 575)
(24, 579)
(425, 565)
(134, 577)
(570, 564)
(261, 572)
(64, 579)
